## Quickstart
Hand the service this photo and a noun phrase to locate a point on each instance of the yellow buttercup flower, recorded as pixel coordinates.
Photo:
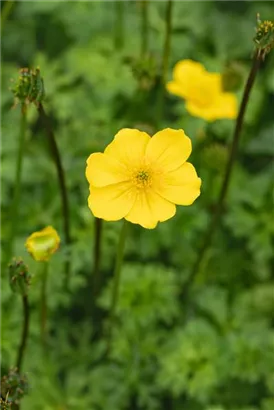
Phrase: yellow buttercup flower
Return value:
(42, 244)
(202, 91)
(141, 178)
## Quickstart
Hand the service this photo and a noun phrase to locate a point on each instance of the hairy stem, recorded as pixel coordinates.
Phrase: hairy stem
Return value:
(25, 333)
(18, 180)
(44, 307)
(227, 175)
(165, 61)
(144, 27)
(97, 256)
(62, 182)
(117, 276)
(167, 43)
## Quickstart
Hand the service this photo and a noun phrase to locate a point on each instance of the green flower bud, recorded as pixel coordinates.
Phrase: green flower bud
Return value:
(264, 38)
(13, 387)
(29, 87)
(19, 276)
(215, 157)
(145, 71)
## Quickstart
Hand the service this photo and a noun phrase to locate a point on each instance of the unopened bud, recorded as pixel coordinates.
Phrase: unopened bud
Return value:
(43, 244)
(13, 387)
(5, 404)
(29, 87)
(264, 38)
(145, 71)
(19, 276)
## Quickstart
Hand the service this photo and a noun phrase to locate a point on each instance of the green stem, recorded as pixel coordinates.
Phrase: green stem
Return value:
(25, 333)
(119, 38)
(165, 61)
(144, 33)
(44, 307)
(97, 256)
(117, 276)
(62, 182)
(18, 180)
(227, 176)
(167, 43)
(5, 12)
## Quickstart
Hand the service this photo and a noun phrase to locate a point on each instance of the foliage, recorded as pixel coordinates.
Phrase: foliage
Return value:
(214, 351)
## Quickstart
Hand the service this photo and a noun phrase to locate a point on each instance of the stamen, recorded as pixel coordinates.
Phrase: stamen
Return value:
(142, 178)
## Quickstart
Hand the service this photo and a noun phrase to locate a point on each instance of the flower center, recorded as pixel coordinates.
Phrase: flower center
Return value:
(142, 179)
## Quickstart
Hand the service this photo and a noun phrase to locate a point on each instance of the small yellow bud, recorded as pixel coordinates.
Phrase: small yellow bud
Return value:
(42, 244)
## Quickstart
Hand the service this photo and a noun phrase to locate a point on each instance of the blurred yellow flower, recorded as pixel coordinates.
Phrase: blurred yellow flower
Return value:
(202, 91)
(42, 244)
(140, 178)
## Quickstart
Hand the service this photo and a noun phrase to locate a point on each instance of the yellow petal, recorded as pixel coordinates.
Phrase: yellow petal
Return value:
(149, 209)
(111, 202)
(192, 82)
(187, 71)
(168, 149)
(128, 147)
(42, 244)
(175, 88)
(104, 170)
(205, 112)
(181, 186)
(223, 106)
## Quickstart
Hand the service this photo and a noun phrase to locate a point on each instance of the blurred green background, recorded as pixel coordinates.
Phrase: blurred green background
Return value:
(214, 352)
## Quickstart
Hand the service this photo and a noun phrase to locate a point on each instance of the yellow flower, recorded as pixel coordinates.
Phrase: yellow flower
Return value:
(202, 91)
(42, 244)
(140, 178)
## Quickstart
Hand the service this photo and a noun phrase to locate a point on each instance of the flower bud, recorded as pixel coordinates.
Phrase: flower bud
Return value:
(13, 387)
(4, 404)
(42, 244)
(29, 87)
(145, 71)
(19, 276)
(264, 38)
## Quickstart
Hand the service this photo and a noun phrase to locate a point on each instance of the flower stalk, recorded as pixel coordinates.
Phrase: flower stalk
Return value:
(119, 38)
(165, 60)
(18, 179)
(98, 228)
(19, 279)
(62, 182)
(166, 52)
(144, 27)
(215, 220)
(25, 332)
(44, 307)
(117, 277)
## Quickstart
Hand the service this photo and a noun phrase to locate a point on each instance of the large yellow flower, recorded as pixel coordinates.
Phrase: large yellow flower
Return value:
(202, 91)
(140, 178)
(42, 244)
